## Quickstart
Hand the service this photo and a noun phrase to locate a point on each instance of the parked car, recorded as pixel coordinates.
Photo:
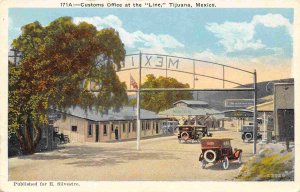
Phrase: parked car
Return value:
(247, 133)
(169, 126)
(60, 138)
(192, 133)
(218, 150)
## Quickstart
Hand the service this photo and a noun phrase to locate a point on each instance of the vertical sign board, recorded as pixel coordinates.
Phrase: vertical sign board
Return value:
(284, 111)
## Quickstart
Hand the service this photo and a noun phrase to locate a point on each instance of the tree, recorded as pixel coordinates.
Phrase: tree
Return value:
(158, 101)
(58, 62)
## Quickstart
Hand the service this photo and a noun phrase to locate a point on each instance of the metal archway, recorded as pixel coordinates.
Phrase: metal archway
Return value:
(167, 68)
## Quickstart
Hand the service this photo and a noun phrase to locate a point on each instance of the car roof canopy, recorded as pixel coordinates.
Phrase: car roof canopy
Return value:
(216, 138)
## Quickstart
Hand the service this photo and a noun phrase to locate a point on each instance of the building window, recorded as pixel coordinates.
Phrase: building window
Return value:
(112, 127)
(90, 130)
(129, 127)
(134, 127)
(104, 129)
(142, 125)
(123, 126)
(74, 128)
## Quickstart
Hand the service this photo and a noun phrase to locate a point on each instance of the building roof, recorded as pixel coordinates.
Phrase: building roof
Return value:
(216, 138)
(125, 113)
(213, 112)
(188, 111)
(264, 107)
(191, 102)
(179, 111)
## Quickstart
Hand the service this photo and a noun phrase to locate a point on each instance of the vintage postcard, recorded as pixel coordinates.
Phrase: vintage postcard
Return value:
(149, 95)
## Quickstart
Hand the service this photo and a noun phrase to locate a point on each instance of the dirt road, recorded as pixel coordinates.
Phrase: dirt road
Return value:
(159, 159)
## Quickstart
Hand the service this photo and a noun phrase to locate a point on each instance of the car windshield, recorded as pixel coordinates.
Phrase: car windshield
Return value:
(226, 143)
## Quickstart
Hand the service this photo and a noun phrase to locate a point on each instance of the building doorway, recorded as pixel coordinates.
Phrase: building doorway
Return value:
(97, 133)
(286, 124)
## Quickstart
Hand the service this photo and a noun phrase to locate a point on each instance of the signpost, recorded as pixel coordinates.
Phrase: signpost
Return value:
(138, 107)
(53, 116)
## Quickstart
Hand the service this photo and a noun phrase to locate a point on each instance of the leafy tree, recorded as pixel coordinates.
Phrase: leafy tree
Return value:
(158, 101)
(59, 61)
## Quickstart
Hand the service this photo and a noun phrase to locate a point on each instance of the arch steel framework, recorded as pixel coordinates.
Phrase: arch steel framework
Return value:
(241, 88)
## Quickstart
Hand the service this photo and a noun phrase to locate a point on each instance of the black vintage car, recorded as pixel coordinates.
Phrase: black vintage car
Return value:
(192, 133)
(247, 133)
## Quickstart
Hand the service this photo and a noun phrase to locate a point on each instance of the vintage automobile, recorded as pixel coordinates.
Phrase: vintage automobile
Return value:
(192, 133)
(169, 126)
(215, 150)
(247, 133)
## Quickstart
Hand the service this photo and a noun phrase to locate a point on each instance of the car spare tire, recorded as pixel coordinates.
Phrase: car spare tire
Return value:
(185, 135)
(210, 156)
(248, 136)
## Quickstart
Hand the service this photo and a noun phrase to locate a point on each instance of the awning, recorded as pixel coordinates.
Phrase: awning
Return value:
(264, 107)
(241, 113)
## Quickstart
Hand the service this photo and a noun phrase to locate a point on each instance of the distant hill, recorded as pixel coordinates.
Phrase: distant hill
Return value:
(217, 99)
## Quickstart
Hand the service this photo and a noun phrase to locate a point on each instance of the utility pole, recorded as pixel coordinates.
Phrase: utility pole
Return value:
(255, 113)
(194, 76)
(138, 105)
(166, 66)
(223, 76)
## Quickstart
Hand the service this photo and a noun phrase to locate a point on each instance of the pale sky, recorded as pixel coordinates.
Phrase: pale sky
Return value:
(250, 39)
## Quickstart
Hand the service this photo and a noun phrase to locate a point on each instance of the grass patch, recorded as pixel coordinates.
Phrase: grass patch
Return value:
(268, 166)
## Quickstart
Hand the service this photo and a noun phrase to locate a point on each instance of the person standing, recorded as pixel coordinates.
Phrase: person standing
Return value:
(116, 133)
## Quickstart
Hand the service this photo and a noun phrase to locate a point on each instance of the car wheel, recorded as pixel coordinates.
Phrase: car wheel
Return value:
(225, 163)
(210, 156)
(185, 135)
(240, 158)
(203, 164)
